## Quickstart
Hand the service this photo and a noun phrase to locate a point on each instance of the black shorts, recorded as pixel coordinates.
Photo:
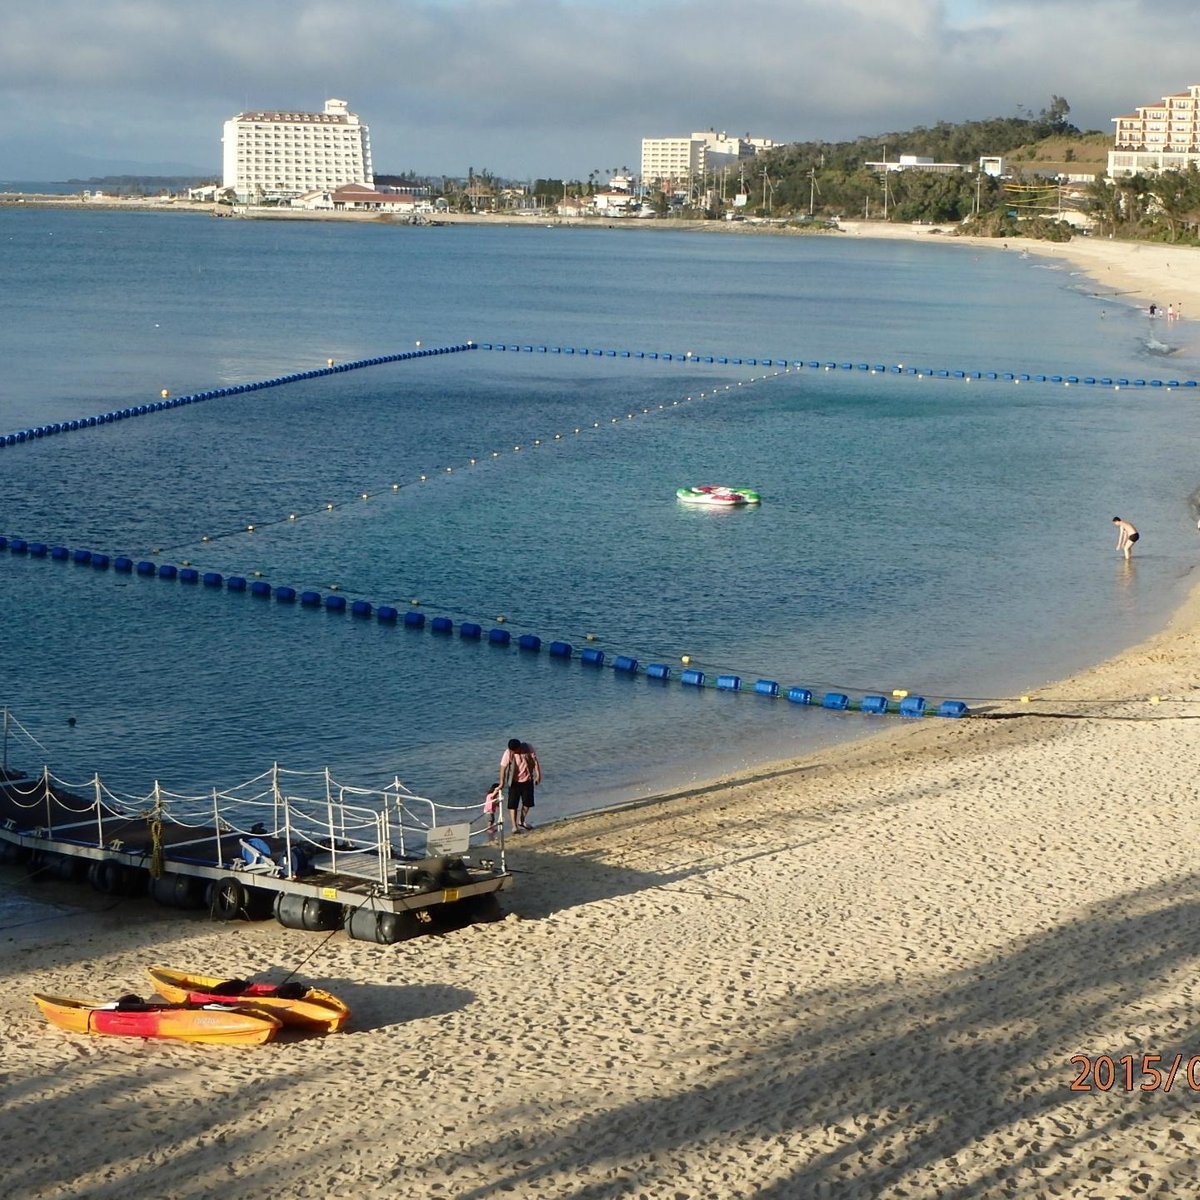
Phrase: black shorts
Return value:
(1133, 537)
(520, 794)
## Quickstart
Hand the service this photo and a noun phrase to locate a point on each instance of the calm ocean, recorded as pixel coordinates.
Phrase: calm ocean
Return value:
(949, 538)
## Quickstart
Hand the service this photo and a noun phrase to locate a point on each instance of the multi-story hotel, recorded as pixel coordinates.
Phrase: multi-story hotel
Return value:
(671, 161)
(278, 155)
(1158, 137)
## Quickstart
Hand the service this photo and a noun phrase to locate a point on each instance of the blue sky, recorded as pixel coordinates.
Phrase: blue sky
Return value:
(558, 87)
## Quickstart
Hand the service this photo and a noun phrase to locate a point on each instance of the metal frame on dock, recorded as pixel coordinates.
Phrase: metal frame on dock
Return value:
(382, 863)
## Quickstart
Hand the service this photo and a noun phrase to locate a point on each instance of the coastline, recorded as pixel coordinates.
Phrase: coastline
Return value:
(860, 973)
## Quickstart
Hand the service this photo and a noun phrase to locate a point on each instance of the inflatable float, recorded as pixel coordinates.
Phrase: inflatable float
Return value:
(717, 496)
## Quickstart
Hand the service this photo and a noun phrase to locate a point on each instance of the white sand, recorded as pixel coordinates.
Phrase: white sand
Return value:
(862, 974)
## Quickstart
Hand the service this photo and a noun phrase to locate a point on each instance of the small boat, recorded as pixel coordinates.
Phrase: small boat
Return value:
(133, 1017)
(717, 496)
(295, 1004)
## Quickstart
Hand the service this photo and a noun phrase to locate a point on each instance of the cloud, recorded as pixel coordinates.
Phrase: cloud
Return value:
(557, 87)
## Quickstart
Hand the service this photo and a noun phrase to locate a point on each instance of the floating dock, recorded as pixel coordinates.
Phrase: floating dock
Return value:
(383, 864)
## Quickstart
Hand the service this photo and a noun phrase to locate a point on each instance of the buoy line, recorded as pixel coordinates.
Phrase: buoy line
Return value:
(166, 401)
(690, 674)
(430, 474)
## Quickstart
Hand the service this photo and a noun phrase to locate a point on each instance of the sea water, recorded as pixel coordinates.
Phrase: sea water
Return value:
(949, 538)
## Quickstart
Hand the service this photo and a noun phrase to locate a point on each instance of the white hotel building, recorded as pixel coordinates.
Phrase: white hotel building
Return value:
(278, 155)
(1158, 137)
(672, 161)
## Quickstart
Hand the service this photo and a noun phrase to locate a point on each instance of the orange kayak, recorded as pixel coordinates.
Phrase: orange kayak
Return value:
(295, 1004)
(132, 1017)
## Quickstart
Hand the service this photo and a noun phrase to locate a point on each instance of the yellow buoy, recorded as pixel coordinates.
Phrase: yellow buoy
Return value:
(899, 693)
(1024, 699)
(685, 659)
(591, 637)
(291, 516)
(500, 619)
(329, 362)
(249, 528)
(414, 600)
(1155, 700)
(164, 393)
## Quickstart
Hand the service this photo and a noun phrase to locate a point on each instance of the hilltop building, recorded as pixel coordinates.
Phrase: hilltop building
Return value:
(914, 162)
(1158, 137)
(668, 162)
(278, 155)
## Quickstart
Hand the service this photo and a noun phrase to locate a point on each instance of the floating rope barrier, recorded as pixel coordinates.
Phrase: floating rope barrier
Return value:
(166, 401)
(837, 698)
(479, 459)
(591, 656)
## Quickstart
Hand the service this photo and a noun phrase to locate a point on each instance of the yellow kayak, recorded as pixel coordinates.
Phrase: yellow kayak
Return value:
(295, 1004)
(132, 1017)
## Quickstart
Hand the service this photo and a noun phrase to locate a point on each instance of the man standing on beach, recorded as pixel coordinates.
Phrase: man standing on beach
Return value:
(1126, 535)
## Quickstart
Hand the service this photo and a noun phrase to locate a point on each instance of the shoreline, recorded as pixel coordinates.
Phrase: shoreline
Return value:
(891, 968)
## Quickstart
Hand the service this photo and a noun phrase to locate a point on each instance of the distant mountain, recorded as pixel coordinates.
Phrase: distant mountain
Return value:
(27, 159)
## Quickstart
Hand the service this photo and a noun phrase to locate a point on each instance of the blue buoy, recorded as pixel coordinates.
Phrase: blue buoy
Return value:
(729, 683)
(213, 579)
(441, 625)
(360, 608)
(658, 671)
(285, 594)
(310, 599)
(235, 583)
(912, 706)
(260, 587)
(167, 571)
(952, 708)
(499, 637)
(529, 641)
(623, 662)
(561, 649)
(766, 687)
(690, 677)
(591, 657)
(387, 613)
(61, 553)
(799, 695)
(82, 556)
(18, 546)
(412, 618)
(470, 629)
(835, 700)
(335, 604)
(874, 704)
(100, 561)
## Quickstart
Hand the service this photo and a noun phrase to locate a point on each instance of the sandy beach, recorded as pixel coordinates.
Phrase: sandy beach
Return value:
(875, 972)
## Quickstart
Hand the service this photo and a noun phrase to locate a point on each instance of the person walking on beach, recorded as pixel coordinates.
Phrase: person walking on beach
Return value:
(520, 770)
(1127, 534)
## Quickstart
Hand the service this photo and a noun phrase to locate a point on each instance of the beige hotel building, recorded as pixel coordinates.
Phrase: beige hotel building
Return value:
(1158, 137)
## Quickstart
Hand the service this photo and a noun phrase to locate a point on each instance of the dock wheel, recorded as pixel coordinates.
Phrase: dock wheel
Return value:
(226, 899)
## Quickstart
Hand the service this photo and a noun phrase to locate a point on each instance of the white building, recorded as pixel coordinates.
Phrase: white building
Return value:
(915, 162)
(1158, 137)
(670, 161)
(278, 155)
